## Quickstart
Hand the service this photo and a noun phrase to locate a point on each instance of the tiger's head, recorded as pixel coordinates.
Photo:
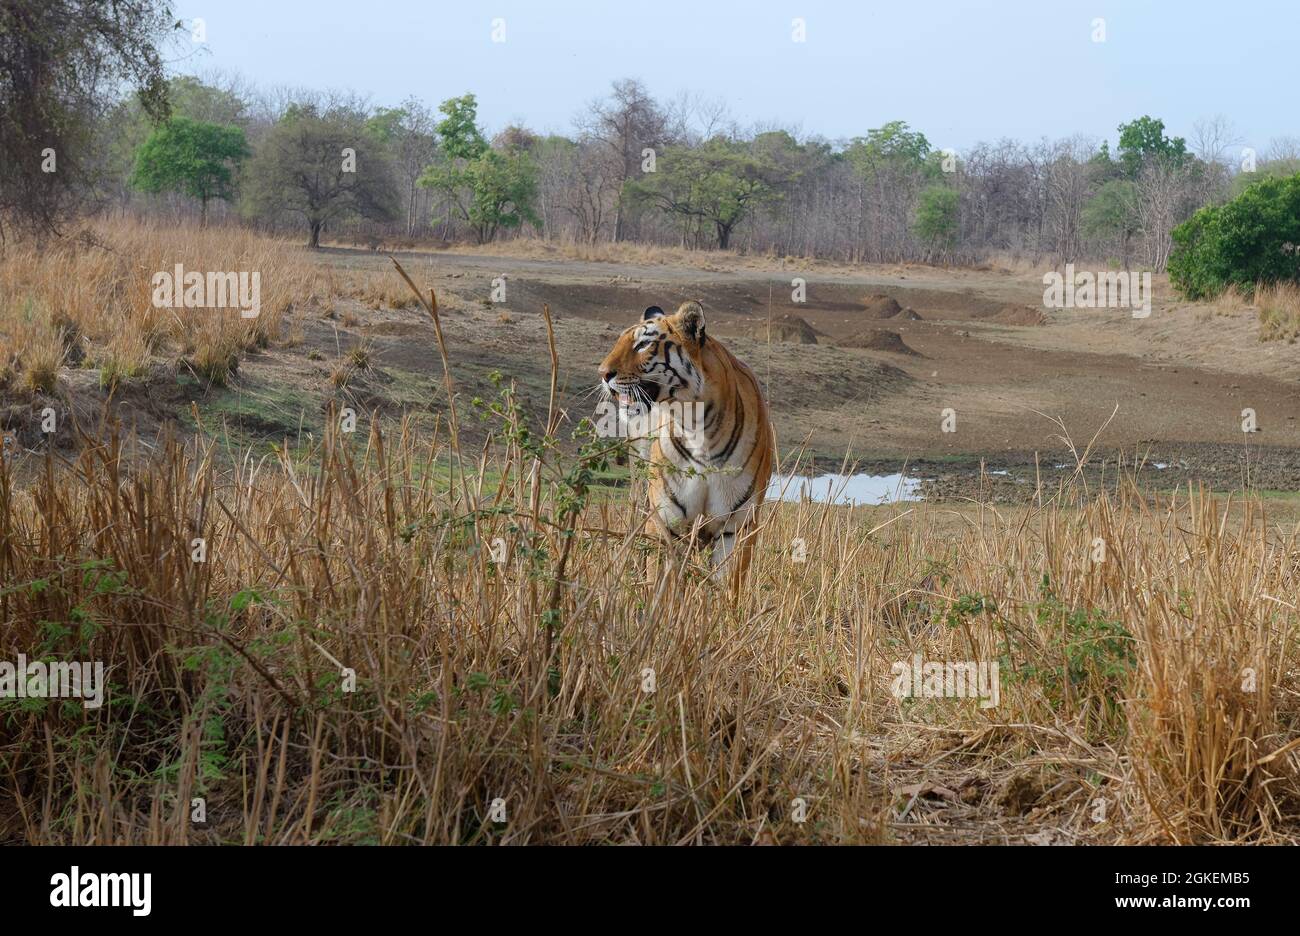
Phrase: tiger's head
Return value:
(659, 359)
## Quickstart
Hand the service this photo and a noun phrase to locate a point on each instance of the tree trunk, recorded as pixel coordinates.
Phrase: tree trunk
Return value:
(315, 234)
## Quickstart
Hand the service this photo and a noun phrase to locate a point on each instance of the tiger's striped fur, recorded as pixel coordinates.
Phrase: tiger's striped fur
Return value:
(708, 474)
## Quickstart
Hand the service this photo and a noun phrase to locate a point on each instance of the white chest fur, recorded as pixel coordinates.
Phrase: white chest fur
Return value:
(694, 485)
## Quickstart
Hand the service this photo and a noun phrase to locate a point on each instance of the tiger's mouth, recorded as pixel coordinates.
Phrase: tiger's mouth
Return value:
(649, 390)
(637, 393)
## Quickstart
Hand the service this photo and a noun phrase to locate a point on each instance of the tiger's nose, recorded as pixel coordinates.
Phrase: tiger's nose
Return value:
(610, 375)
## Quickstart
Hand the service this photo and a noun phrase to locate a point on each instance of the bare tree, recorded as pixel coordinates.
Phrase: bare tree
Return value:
(408, 132)
(300, 169)
(59, 62)
(1284, 147)
(627, 123)
(1164, 199)
(592, 190)
(999, 189)
(1212, 138)
(1212, 141)
(1066, 187)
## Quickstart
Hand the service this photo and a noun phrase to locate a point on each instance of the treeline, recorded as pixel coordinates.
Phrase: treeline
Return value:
(633, 168)
(679, 174)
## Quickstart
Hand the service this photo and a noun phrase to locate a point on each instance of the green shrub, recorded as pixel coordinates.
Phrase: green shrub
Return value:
(1255, 238)
(937, 214)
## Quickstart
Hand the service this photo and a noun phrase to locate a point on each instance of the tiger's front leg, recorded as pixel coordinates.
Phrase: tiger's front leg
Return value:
(723, 546)
(733, 549)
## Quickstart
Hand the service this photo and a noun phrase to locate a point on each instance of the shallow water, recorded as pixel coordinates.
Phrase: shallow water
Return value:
(845, 489)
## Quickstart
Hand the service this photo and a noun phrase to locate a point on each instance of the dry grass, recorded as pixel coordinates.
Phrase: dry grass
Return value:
(214, 353)
(1025, 263)
(1158, 682)
(1147, 652)
(373, 289)
(609, 252)
(624, 252)
(341, 373)
(378, 291)
(537, 249)
(1277, 305)
(98, 289)
(360, 356)
(1232, 301)
(32, 348)
(1279, 311)
(1025, 266)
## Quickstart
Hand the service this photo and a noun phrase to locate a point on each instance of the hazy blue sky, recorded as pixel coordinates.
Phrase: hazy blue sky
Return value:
(959, 70)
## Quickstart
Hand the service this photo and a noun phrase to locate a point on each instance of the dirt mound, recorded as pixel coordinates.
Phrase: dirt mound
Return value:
(803, 379)
(879, 339)
(787, 327)
(881, 307)
(1018, 315)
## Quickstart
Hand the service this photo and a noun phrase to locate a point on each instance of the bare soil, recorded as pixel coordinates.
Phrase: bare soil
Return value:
(879, 339)
(1169, 390)
(865, 370)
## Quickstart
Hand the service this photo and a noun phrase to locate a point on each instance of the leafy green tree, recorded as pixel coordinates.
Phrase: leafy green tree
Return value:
(197, 159)
(127, 125)
(458, 130)
(1144, 140)
(1272, 169)
(892, 163)
(1112, 215)
(720, 182)
(1255, 238)
(504, 189)
(891, 149)
(190, 97)
(320, 164)
(488, 188)
(937, 216)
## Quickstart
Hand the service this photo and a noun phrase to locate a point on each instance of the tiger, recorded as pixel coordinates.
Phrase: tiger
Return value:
(710, 445)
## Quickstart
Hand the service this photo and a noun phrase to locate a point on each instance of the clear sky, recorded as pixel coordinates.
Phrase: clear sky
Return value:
(958, 70)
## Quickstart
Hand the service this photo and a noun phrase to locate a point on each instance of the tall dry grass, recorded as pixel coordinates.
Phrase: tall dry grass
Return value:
(508, 648)
(628, 252)
(1279, 311)
(88, 300)
(533, 248)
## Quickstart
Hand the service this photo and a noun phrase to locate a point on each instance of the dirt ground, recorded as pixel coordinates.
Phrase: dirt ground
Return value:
(860, 376)
(1169, 390)
(860, 373)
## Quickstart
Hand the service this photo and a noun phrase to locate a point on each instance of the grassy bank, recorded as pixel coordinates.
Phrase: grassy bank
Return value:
(376, 651)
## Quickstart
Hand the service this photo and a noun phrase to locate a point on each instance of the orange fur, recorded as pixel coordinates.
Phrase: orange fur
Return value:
(711, 451)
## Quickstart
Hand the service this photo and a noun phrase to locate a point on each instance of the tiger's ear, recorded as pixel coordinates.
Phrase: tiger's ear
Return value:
(690, 317)
(652, 313)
